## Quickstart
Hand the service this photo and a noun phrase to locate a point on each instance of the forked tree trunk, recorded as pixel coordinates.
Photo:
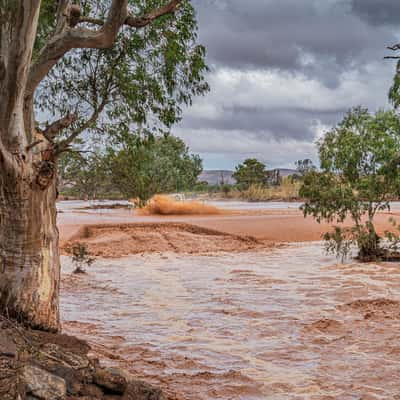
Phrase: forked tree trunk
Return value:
(29, 255)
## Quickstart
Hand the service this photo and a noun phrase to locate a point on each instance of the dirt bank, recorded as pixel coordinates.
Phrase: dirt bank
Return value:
(212, 233)
(118, 240)
(39, 365)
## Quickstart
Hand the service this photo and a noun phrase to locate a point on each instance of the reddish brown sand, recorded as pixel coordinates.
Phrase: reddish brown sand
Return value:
(271, 226)
(114, 241)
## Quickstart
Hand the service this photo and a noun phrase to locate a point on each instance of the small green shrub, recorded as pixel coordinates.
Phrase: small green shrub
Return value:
(81, 258)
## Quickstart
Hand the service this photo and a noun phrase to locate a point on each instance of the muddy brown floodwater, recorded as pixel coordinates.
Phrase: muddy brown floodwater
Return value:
(281, 324)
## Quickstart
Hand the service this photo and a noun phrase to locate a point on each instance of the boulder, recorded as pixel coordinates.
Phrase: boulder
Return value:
(110, 379)
(43, 385)
(138, 390)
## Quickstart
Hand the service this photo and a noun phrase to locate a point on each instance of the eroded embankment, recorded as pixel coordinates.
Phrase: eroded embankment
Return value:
(118, 240)
(44, 366)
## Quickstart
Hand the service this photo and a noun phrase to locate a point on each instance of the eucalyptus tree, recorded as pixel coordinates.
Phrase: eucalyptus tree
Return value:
(142, 168)
(86, 66)
(359, 176)
(251, 172)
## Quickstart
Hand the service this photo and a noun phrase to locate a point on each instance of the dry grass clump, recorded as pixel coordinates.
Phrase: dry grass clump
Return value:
(164, 205)
(286, 191)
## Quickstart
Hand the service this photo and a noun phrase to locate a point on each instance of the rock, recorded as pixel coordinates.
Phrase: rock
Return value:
(7, 346)
(75, 361)
(138, 390)
(43, 385)
(110, 379)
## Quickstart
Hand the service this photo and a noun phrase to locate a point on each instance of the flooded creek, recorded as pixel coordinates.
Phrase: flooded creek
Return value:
(282, 324)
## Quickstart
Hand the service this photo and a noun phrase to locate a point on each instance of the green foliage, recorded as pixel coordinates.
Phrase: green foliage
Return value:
(84, 175)
(394, 92)
(142, 168)
(251, 172)
(81, 258)
(143, 81)
(359, 176)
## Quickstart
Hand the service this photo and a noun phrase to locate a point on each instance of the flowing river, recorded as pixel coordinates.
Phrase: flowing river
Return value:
(289, 323)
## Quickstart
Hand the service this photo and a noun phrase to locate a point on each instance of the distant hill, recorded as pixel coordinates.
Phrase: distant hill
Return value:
(214, 177)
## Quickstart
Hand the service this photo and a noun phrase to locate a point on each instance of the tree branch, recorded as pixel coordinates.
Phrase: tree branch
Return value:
(53, 129)
(135, 21)
(68, 36)
(63, 145)
(90, 20)
(140, 22)
(34, 144)
(394, 47)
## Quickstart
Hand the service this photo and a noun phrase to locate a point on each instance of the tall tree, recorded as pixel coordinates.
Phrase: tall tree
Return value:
(70, 40)
(143, 168)
(251, 172)
(359, 176)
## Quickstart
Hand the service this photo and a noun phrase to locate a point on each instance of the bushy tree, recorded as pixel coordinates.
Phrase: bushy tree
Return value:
(359, 175)
(143, 167)
(251, 172)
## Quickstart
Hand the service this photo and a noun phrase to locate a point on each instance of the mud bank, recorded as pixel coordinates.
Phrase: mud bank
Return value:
(119, 240)
(41, 366)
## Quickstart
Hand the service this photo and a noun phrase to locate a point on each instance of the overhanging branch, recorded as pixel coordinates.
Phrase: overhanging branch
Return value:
(68, 36)
(140, 22)
(56, 127)
(395, 47)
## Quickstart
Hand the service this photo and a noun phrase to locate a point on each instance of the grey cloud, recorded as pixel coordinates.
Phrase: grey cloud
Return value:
(335, 46)
(276, 34)
(278, 124)
(378, 12)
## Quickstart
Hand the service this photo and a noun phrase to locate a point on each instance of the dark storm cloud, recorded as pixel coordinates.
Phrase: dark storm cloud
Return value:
(313, 60)
(278, 33)
(378, 12)
(279, 124)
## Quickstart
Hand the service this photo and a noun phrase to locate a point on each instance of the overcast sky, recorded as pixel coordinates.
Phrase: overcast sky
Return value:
(283, 72)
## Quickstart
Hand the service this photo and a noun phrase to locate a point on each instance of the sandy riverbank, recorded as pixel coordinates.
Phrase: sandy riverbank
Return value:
(268, 226)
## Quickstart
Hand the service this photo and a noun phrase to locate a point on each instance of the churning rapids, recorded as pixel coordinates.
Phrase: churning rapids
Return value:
(287, 323)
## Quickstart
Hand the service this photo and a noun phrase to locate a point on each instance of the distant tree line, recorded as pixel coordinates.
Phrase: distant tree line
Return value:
(136, 168)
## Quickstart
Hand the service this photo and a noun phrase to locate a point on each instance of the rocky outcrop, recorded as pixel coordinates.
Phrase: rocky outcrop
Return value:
(42, 366)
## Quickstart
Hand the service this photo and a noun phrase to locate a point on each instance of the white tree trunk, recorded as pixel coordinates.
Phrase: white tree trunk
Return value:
(29, 255)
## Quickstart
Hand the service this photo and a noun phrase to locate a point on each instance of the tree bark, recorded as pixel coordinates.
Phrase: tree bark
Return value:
(29, 254)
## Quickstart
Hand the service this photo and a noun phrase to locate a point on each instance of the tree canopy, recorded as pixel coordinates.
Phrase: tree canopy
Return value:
(251, 172)
(360, 174)
(143, 168)
(144, 79)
